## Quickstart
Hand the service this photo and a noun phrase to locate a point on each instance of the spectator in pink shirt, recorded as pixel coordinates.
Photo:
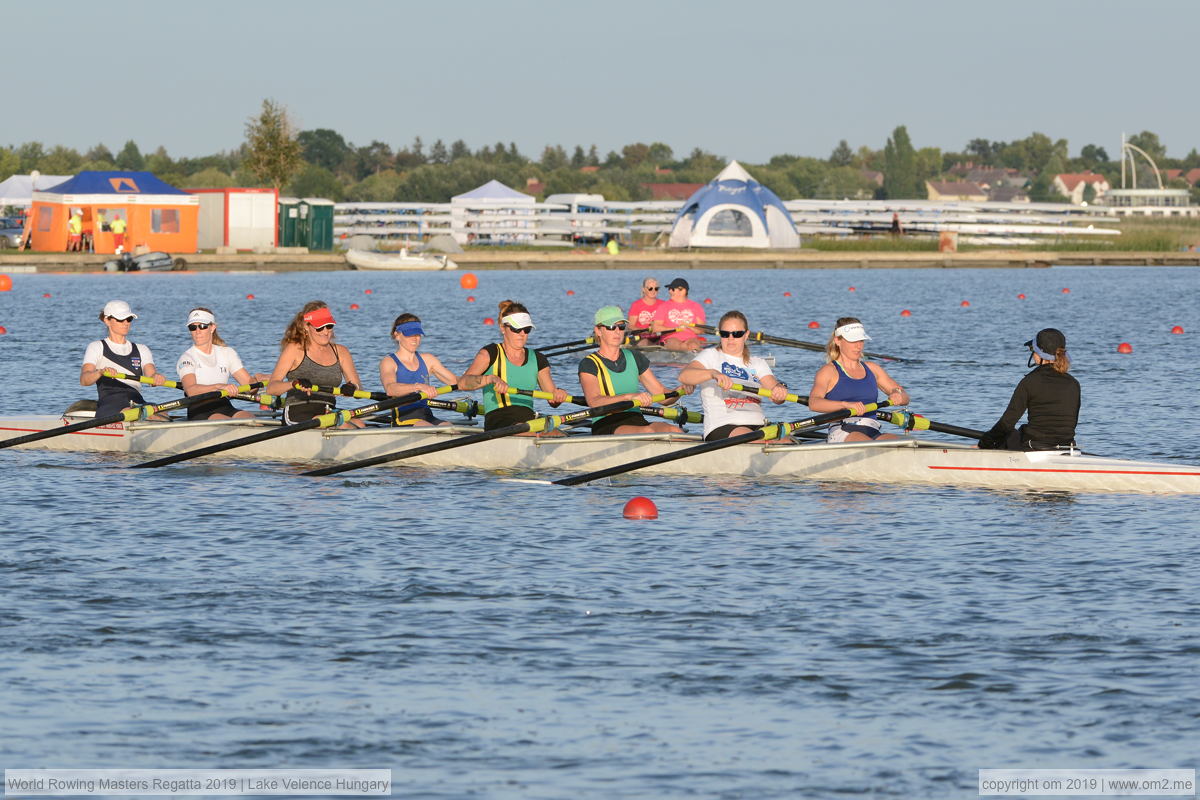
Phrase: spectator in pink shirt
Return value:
(641, 313)
(678, 312)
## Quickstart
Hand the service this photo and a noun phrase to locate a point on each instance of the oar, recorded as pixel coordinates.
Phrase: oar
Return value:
(915, 422)
(122, 376)
(666, 412)
(772, 431)
(536, 425)
(329, 420)
(791, 398)
(127, 415)
(588, 340)
(766, 338)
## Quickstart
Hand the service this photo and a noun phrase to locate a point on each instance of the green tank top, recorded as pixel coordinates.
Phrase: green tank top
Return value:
(613, 383)
(518, 377)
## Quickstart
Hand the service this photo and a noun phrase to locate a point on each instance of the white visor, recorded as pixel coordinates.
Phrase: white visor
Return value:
(854, 332)
(200, 315)
(518, 320)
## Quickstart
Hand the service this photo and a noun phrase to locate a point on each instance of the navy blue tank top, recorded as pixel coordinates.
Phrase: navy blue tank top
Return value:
(406, 375)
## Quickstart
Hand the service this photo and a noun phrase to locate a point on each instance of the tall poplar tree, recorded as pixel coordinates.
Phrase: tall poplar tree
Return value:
(900, 178)
(272, 150)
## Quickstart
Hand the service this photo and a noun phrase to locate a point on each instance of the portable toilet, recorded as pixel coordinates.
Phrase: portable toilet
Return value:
(289, 222)
(306, 222)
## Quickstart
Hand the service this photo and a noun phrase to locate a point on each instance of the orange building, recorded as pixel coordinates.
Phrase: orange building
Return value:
(155, 214)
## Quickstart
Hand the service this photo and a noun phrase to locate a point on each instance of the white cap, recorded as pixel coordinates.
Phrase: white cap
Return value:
(118, 309)
(200, 315)
(518, 320)
(854, 332)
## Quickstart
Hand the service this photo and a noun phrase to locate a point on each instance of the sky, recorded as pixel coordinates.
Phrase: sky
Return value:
(743, 79)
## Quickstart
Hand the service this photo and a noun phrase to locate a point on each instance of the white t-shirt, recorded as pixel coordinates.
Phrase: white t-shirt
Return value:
(722, 407)
(216, 367)
(95, 355)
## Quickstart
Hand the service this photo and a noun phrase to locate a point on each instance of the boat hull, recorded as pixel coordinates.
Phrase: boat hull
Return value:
(900, 461)
(365, 259)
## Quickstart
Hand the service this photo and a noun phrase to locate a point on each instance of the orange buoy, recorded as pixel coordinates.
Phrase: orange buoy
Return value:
(5, 283)
(787, 294)
(853, 289)
(570, 292)
(814, 324)
(640, 508)
(366, 291)
(471, 298)
(47, 294)
(906, 313)
(1125, 347)
(965, 303)
(468, 280)
(249, 297)
(708, 301)
(489, 321)
(1177, 329)
(354, 306)
(3, 330)
(1066, 290)
(1021, 297)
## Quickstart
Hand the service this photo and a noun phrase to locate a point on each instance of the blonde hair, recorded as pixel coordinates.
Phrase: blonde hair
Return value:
(1061, 363)
(728, 315)
(216, 337)
(297, 329)
(511, 307)
(832, 351)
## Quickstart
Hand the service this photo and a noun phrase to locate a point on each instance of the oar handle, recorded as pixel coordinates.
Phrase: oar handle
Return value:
(915, 422)
(335, 418)
(543, 395)
(758, 390)
(122, 376)
(345, 390)
(785, 428)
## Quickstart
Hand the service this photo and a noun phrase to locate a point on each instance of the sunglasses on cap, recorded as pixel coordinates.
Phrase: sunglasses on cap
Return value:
(199, 326)
(734, 334)
(620, 326)
(326, 327)
(527, 329)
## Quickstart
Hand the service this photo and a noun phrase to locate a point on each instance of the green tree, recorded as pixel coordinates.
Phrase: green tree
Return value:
(578, 158)
(900, 179)
(1089, 193)
(593, 157)
(842, 155)
(99, 153)
(633, 155)
(378, 188)
(31, 155)
(272, 152)
(459, 150)
(553, 157)
(377, 156)
(1042, 189)
(159, 162)
(1149, 142)
(438, 153)
(314, 181)
(130, 157)
(660, 154)
(1092, 155)
(323, 147)
(61, 161)
(10, 162)
(209, 178)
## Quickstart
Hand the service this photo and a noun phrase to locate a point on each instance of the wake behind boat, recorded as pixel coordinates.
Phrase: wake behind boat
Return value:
(402, 260)
(906, 460)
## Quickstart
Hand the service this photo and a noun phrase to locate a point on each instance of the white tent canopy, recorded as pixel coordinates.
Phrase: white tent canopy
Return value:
(492, 213)
(18, 190)
(734, 210)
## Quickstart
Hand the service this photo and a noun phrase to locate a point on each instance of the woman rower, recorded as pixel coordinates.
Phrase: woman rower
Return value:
(1049, 394)
(114, 354)
(849, 382)
(727, 412)
(307, 352)
(510, 364)
(614, 373)
(210, 365)
(406, 371)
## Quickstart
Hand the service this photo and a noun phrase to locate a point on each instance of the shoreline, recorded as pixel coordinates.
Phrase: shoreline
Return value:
(635, 259)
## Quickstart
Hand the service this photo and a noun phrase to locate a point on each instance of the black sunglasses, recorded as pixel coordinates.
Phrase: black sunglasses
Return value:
(528, 329)
(734, 334)
(327, 327)
(118, 319)
(199, 326)
(651, 288)
(620, 326)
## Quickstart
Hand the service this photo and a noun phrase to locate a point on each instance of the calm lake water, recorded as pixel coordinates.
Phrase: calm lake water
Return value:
(488, 639)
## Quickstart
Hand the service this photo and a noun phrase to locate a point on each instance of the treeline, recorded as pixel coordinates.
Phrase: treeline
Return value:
(329, 166)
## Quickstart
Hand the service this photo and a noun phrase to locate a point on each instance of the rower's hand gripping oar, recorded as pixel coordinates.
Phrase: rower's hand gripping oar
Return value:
(127, 415)
(537, 425)
(915, 422)
(772, 431)
(122, 376)
(330, 420)
(760, 391)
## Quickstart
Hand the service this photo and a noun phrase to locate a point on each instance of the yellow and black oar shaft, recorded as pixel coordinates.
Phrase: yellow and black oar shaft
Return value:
(122, 376)
(666, 412)
(916, 422)
(758, 390)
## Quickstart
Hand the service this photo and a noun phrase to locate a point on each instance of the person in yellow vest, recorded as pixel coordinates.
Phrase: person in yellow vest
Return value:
(118, 232)
(75, 231)
(615, 373)
(613, 248)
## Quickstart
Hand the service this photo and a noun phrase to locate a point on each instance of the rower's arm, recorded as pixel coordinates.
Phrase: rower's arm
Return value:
(288, 359)
(825, 380)
(474, 378)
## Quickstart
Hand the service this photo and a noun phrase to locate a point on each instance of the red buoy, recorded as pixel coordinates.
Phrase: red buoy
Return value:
(47, 294)
(965, 303)
(3, 330)
(1177, 329)
(853, 289)
(471, 298)
(489, 321)
(1021, 297)
(787, 294)
(1066, 290)
(5, 283)
(570, 292)
(366, 291)
(249, 297)
(640, 508)
(354, 306)
(814, 324)
(468, 281)
(1125, 347)
(708, 301)
(906, 313)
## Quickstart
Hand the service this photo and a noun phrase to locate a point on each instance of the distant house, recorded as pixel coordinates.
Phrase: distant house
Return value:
(1192, 176)
(1007, 194)
(995, 177)
(672, 191)
(1071, 185)
(962, 191)
(1171, 174)
(534, 186)
(874, 176)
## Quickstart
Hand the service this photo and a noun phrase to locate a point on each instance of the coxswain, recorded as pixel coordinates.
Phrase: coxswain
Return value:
(1049, 396)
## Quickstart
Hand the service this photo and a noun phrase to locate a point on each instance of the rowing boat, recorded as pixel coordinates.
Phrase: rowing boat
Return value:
(402, 260)
(905, 460)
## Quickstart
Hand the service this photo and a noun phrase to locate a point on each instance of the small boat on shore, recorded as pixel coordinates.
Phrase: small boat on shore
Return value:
(402, 260)
(907, 460)
(146, 262)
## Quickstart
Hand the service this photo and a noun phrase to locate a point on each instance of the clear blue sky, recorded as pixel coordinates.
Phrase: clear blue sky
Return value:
(744, 79)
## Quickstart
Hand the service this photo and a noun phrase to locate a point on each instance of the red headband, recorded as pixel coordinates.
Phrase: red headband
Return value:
(319, 317)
